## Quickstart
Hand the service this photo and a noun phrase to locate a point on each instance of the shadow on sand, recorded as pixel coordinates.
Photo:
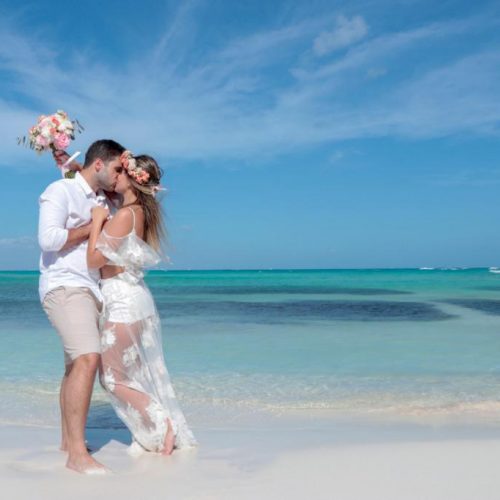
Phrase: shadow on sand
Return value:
(104, 426)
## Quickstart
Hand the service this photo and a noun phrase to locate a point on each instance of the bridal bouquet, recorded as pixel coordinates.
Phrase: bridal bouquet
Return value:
(53, 132)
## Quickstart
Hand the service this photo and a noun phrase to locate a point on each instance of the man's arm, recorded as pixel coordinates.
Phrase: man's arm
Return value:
(77, 236)
(52, 233)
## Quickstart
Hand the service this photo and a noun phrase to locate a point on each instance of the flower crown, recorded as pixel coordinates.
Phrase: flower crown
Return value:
(130, 165)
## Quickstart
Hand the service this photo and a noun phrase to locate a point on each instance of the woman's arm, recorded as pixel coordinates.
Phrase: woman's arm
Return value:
(95, 259)
(120, 225)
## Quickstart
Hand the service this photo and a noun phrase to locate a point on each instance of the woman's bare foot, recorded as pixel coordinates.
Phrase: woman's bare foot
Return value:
(85, 464)
(169, 443)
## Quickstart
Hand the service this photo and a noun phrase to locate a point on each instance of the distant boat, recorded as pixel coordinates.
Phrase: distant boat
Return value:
(494, 270)
(426, 268)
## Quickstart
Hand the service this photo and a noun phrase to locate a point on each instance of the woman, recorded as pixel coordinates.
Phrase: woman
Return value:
(133, 369)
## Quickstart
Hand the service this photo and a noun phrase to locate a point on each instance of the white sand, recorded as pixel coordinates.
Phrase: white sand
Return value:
(276, 462)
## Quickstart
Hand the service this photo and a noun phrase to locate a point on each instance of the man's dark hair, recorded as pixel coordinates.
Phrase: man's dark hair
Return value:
(105, 149)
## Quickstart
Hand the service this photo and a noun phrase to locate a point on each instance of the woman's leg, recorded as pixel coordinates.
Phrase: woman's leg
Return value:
(169, 442)
(122, 374)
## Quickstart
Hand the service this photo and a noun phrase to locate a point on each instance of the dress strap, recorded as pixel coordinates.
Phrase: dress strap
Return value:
(133, 215)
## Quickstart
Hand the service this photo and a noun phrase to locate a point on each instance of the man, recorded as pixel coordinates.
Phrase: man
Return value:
(69, 291)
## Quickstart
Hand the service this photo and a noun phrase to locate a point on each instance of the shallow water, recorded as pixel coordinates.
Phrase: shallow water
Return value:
(406, 342)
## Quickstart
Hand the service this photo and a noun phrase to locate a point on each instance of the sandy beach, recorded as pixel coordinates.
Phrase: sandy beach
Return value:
(275, 458)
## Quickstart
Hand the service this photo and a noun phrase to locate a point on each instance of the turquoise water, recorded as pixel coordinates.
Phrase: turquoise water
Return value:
(406, 342)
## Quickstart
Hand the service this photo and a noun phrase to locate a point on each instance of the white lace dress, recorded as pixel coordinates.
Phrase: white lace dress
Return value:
(133, 368)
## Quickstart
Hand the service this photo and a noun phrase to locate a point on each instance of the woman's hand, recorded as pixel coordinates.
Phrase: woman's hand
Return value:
(95, 259)
(99, 214)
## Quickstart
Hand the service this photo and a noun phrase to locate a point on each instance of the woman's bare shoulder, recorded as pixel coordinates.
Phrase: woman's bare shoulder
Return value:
(121, 224)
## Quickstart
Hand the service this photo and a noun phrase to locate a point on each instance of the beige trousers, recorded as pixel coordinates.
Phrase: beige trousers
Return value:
(74, 313)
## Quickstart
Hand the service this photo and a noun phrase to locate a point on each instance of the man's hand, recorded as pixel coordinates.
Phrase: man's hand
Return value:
(76, 236)
(61, 157)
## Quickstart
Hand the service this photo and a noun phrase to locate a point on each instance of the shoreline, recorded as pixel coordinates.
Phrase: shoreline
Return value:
(269, 458)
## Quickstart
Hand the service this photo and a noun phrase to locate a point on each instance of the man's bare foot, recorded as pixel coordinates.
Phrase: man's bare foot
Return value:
(85, 464)
(169, 443)
(64, 447)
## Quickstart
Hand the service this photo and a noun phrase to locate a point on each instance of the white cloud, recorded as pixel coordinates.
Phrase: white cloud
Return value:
(466, 177)
(259, 95)
(23, 241)
(336, 156)
(346, 32)
(375, 72)
(458, 98)
(388, 46)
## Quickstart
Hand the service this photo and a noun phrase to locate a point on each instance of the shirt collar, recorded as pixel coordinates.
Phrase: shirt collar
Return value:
(102, 199)
(84, 185)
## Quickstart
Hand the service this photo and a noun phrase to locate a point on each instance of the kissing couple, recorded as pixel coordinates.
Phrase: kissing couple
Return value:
(94, 251)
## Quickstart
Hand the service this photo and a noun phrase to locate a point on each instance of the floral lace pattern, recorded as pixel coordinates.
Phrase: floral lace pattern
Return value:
(133, 366)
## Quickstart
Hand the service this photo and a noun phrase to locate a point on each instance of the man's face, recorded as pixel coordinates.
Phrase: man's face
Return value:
(108, 174)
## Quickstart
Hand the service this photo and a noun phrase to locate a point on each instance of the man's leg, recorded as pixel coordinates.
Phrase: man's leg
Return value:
(76, 400)
(74, 313)
(64, 434)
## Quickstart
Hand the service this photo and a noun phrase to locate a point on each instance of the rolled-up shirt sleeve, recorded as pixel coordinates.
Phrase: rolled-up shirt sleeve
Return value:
(52, 232)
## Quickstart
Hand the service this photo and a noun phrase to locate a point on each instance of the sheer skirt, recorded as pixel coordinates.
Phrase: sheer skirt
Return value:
(133, 369)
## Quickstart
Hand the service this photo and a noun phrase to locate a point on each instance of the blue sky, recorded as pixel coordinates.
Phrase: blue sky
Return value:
(304, 134)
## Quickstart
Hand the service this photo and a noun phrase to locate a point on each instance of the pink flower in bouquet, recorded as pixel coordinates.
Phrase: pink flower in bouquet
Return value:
(61, 141)
(41, 141)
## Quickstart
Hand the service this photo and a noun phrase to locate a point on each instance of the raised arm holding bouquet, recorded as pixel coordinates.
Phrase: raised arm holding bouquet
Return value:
(55, 133)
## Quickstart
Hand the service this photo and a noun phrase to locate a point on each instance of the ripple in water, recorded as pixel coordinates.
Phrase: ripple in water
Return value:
(277, 289)
(488, 306)
(277, 312)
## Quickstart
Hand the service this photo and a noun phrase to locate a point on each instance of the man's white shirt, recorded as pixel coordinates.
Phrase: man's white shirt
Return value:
(66, 204)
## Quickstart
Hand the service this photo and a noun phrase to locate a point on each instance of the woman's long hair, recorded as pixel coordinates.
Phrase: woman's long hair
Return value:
(154, 227)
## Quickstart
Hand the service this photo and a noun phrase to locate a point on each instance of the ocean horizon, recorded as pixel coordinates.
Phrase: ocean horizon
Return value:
(292, 269)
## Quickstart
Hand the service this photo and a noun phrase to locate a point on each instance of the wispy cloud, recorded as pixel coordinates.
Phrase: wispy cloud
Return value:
(375, 72)
(457, 98)
(266, 93)
(21, 241)
(389, 47)
(346, 32)
(466, 178)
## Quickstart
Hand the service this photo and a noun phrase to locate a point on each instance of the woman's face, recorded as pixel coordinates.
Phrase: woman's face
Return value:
(123, 182)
